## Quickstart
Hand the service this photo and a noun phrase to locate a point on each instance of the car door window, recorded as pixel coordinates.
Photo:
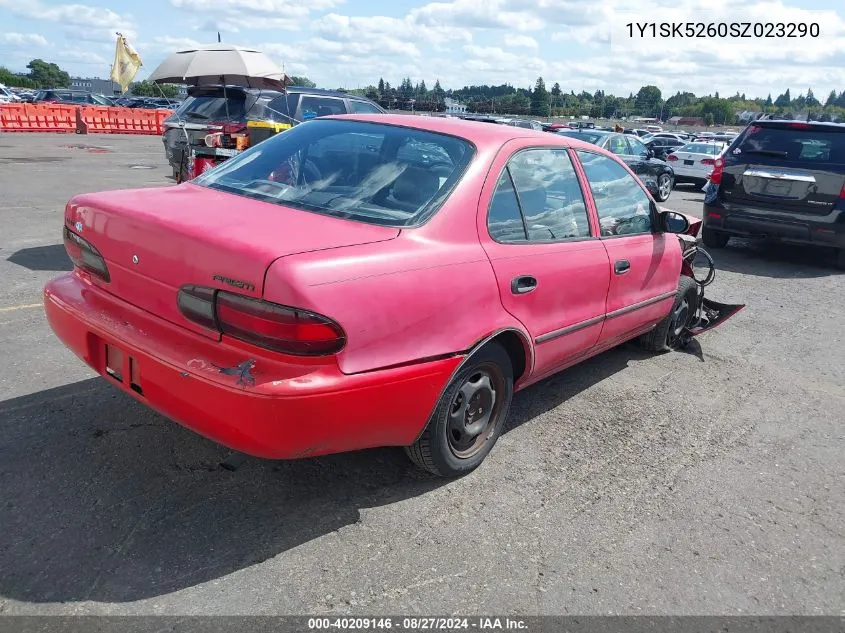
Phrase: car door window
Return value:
(313, 107)
(624, 208)
(617, 145)
(549, 195)
(362, 107)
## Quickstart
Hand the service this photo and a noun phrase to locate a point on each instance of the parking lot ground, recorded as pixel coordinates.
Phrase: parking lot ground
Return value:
(703, 482)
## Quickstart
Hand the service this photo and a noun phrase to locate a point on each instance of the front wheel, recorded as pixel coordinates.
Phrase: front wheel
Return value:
(469, 417)
(669, 333)
(664, 187)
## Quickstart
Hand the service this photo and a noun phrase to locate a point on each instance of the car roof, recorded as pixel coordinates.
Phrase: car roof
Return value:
(325, 92)
(477, 132)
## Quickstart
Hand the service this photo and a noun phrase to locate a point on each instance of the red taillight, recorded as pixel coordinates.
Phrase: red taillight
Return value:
(842, 193)
(268, 325)
(234, 128)
(716, 174)
(799, 126)
(671, 157)
(714, 215)
(708, 161)
(84, 255)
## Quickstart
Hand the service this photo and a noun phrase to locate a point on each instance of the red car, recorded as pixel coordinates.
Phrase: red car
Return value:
(373, 280)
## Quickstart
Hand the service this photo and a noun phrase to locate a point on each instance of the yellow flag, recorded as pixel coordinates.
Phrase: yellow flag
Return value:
(127, 62)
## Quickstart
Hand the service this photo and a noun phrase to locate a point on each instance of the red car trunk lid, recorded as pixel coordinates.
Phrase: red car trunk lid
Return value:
(156, 240)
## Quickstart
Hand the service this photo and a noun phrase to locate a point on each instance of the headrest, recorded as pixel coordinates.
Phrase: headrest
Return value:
(415, 186)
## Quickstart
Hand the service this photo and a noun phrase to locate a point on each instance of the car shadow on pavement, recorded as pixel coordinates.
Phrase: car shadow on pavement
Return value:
(105, 500)
(52, 257)
(778, 261)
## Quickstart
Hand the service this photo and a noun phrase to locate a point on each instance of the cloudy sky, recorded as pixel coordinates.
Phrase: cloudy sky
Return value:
(583, 44)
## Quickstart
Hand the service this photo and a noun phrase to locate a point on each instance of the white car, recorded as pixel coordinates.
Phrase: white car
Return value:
(7, 96)
(693, 162)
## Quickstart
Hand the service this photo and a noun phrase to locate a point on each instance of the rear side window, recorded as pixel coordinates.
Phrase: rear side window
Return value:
(809, 145)
(313, 107)
(362, 107)
(362, 171)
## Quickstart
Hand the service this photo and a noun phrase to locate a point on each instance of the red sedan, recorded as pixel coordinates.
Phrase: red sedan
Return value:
(372, 280)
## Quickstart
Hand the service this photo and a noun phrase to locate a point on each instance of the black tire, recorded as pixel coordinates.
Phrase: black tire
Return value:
(840, 259)
(668, 334)
(714, 239)
(450, 428)
(664, 187)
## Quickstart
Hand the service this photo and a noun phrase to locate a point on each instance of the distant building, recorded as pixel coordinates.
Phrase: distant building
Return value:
(686, 120)
(95, 85)
(455, 107)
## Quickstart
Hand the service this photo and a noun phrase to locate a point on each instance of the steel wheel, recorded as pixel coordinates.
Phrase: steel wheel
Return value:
(469, 416)
(473, 411)
(680, 317)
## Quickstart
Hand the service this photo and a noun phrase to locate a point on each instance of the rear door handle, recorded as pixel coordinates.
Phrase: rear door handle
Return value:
(621, 267)
(521, 285)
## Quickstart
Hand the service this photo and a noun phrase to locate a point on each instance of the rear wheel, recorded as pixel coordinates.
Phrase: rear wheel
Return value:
(714, 239)
(469, 416)
(669, 333)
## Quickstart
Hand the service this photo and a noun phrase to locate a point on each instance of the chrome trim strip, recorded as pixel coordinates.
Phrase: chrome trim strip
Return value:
(780, 175)
(641, 304)
(569, 329)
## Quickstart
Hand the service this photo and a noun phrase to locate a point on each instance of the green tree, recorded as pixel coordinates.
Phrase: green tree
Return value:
(149, 89)
(421, 91)
(831, 99)
(380, 86)
(48, 75)
(372, 93)
(648, 101)
(784, 100)
(302, 81)
(811, 99)
(556, 90)
(708, 118)
(437, 92)
(540, 102)
(15, 80)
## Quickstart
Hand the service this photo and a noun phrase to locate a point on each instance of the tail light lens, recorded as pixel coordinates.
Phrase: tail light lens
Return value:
(84, 255)
(671, 157)
(708, 161)
(269, 325)
(716, 174)
(842, 193)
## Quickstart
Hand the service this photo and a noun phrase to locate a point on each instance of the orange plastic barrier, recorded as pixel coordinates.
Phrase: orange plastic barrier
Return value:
(95, 119)
(13, 117)
(26, 117)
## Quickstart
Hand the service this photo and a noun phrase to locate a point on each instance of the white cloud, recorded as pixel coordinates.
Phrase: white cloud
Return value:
(23, 39)
(483, 14)
(521, 41)
(83, 57)
(69, 14)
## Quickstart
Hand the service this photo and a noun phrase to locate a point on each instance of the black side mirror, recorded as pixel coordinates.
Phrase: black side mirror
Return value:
(674, 222)
(649, 153)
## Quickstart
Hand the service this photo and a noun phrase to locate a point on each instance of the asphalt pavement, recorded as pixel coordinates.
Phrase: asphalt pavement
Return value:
(705, 482)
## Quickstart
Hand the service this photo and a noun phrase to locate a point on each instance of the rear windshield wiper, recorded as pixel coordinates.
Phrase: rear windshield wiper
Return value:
(767, 152)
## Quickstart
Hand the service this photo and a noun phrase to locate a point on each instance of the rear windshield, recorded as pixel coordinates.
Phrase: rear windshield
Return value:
(381, 174)
(216, 108)
(701, 148)
(810, 145)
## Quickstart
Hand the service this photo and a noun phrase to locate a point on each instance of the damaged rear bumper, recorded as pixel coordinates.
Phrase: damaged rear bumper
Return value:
(275, 407)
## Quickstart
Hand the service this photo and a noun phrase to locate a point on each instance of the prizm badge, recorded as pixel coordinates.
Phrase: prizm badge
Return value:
(237, 283)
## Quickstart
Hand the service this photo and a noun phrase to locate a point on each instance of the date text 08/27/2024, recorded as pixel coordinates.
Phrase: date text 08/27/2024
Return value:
(417, 623)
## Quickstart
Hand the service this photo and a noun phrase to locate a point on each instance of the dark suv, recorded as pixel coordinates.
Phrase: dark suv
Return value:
(782, 181)
(222, 109)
